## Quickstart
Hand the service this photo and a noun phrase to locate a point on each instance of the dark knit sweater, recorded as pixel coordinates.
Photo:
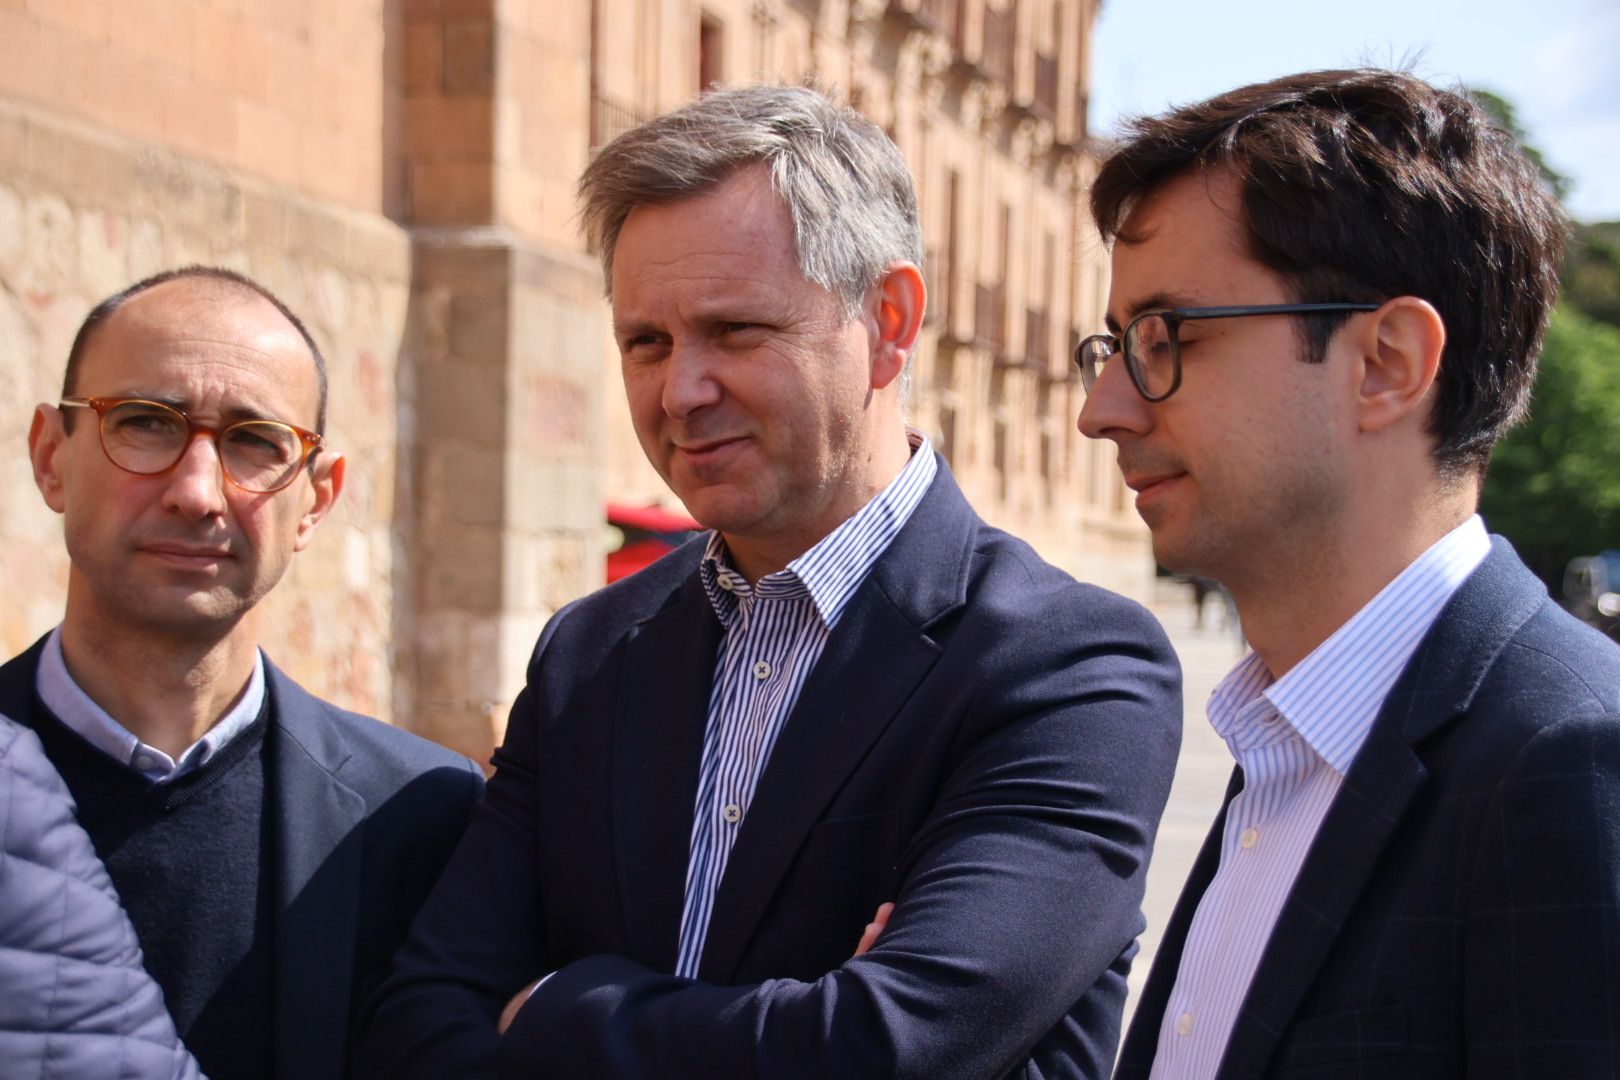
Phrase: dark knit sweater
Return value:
(192, 862)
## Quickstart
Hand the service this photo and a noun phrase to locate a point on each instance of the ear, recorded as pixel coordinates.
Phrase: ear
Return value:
(327, 480)
(900, 299)
(45, 438)
(1400, 345)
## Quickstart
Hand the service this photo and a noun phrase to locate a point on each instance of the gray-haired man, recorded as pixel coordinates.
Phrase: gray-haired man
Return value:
(851, 691)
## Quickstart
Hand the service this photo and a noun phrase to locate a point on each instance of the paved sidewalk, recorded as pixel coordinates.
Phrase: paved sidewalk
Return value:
(1207, 654)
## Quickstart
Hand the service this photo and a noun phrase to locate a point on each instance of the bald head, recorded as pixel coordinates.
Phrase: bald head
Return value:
(190, 287)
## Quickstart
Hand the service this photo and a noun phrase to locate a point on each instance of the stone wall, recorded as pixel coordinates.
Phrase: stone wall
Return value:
(402, 172)
(287, 90)
(84, 212)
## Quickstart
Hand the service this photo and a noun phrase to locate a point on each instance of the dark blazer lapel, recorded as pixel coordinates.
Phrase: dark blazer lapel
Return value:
(877, 654)
(17, 683)
(1437, 685)
(657, 747)
(317, 883)
(1142, 1038)
(1381, 783)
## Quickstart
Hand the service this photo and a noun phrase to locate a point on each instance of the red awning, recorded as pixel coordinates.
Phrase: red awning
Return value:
(652, 518)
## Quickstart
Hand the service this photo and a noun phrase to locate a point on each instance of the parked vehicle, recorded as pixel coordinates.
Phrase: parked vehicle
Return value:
(1592, 590)
(642, 534)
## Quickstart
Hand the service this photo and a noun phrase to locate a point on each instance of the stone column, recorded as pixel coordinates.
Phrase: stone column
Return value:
(504, 505)
(500, 507)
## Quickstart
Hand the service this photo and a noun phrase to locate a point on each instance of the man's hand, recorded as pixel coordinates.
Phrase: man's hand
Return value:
(869, 936)
(509, 1013)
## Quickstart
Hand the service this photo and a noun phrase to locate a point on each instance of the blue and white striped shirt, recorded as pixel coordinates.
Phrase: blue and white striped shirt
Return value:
(1295, 739)
(774, 632)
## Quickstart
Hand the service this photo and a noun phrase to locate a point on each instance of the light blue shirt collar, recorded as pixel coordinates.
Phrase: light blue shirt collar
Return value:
(68, 702)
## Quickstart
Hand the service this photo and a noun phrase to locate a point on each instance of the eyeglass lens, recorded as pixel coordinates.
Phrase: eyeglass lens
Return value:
(1150, 351)
(257, 455)
(1093, 354)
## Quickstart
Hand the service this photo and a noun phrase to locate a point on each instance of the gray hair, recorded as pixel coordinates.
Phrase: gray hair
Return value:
(846, 186)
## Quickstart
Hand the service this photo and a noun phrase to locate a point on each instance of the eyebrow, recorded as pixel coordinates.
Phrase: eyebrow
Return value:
(623, 328)
(1158, 301)
(230, 416)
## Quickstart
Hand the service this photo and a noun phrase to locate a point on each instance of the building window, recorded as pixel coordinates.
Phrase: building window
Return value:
(711, 38)
(953, 230)
(1047, 493)
(999, 459)
(1092, 465)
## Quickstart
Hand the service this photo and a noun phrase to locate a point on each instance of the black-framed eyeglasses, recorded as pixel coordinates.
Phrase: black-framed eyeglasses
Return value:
(1153, 350)
(149, 437)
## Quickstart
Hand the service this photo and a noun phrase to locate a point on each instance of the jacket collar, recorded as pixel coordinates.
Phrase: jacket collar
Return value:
(880, 644)
(1436, 688)
(318, 846)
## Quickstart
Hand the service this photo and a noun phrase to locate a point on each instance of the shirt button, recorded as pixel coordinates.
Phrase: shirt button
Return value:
(762, 670)
(1248, 838)
(731, 814)
(724, 582)
(1184, 1024)
(144, 761)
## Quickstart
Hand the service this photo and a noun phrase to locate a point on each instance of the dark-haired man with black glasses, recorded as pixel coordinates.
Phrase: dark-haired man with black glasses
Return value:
(240, 819)
(1328, 296)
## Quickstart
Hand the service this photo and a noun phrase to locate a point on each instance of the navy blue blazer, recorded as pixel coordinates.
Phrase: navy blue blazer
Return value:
(1459, 912)
(367, 816)
(984, 741)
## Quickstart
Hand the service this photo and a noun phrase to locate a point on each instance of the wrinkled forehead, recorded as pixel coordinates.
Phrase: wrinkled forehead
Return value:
(738, 233)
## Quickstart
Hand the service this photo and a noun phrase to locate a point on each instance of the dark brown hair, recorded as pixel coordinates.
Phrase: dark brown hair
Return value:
(1366, 185)
(102, 311)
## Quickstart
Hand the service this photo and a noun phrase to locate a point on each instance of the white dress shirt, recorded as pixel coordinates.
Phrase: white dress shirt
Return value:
(1295, 740)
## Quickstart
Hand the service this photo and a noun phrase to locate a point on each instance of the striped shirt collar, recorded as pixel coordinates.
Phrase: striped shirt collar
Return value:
(1331, 698)
(834, 568)
(68, 702)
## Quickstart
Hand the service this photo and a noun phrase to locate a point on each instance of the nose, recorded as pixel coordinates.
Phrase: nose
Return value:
(689, 380)
(196, 488)
(1113, 409)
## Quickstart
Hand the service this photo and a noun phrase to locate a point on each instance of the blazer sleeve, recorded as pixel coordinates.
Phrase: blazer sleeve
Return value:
(1542, 953)
(1019, 893)
(74, 998)
(478, 938)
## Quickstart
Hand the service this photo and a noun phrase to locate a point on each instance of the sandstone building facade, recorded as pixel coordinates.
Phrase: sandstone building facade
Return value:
(402, 172)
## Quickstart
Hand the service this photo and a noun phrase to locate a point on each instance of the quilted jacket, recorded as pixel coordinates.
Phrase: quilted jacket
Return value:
(74, 1000)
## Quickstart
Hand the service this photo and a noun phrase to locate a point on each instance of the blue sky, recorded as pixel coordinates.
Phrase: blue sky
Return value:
(1557, 61)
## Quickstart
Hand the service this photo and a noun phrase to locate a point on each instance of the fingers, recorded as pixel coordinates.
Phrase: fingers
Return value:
(869, 936)
(509, 1013)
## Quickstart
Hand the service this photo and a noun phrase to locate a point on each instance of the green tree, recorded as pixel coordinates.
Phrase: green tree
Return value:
(1591, 279)
(1501, 110)
(1554, 481)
